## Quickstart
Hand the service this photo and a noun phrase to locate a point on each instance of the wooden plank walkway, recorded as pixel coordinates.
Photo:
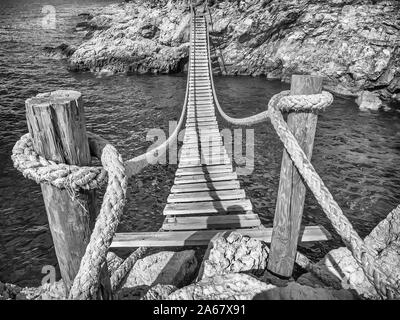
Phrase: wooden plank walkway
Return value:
(206, 197)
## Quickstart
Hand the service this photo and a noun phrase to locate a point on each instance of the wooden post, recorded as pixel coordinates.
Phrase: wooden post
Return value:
(292, 191)
(56, 122)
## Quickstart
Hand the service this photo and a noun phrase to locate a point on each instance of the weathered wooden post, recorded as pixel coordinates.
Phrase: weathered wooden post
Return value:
(292, 191)
(56, 122)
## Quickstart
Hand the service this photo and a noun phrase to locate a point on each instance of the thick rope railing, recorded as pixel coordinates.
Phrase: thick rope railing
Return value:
(365, 256)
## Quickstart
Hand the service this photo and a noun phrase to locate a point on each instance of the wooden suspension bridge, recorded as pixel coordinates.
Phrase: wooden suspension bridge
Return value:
(206, 197)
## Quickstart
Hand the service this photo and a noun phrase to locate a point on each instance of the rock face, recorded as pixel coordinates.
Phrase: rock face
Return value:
(369, 101)
(354, 44)
(165, 267)
(234, 253)
(340, 270)
(143, 37)
(232, 286)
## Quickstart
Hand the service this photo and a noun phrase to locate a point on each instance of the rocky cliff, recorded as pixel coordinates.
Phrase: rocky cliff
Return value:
(354, 44)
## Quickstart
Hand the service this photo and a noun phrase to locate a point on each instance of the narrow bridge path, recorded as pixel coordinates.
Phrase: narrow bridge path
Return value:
(206, 197)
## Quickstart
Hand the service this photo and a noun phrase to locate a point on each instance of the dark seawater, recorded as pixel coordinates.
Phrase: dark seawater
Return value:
(356, 153)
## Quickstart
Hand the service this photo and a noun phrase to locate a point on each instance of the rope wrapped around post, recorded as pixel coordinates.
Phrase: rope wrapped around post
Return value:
(60, 175)
(365, 256)
(86, 283)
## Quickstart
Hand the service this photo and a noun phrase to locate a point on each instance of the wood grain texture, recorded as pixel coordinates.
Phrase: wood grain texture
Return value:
(203, 237)
(56, 122)
(291, 193)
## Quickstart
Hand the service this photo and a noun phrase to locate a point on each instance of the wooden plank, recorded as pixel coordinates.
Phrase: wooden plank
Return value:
(208, 207)
(204, 169)
(205, 178)
(230, 221)
(205, 186)
(202, 238)
(206, 196)
(196, 163)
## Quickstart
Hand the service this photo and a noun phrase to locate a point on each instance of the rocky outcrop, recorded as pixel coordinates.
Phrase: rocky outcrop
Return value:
(63, 51)
(136, 37)
(165, 268)
(54, 291)
(159, 292)
(354, 44)
(368, 101)
(340, 270)
(232, 286)
(234, 253)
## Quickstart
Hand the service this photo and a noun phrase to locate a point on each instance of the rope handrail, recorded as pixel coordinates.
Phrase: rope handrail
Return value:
(248, 121)
(365, 256)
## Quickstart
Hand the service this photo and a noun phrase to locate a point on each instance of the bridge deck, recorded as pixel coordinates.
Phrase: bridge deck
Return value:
(206, 197)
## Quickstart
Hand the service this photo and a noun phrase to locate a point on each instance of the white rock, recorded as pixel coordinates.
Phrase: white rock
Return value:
(368, 101)
(165, 267)
(233, 286)
(234, 253)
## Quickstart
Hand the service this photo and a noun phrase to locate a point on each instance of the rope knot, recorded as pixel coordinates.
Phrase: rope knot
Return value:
(286, 102)
(60, 175)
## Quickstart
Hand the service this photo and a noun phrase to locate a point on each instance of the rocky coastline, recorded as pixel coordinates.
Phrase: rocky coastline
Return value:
(353, 44)
(234, 267)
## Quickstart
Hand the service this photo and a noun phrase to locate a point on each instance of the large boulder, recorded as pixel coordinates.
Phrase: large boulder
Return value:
(165, 267)
(233, 252)
(340, 270)
(369, 101)
(232, 286)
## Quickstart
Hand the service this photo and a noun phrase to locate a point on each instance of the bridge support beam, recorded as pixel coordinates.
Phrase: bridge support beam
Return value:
(56, 122)
(292, 191)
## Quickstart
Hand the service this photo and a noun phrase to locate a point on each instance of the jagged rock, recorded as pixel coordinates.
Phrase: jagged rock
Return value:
(234, 252)
(295, 291)
(159, 292)
(54, 291)
(113, 262)
(232, 286)
(369, 101)
(141, 38)
(340, 270)
(60, 52)
(165, 267)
